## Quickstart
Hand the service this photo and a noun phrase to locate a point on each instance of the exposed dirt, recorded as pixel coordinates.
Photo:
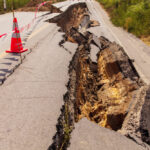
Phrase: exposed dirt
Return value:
(104, 91)
(75, 16)
(108, 92)
(146, 40)
(32, 5)
(71, 18)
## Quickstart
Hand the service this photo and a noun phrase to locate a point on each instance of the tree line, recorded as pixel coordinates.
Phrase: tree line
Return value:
(132, 15)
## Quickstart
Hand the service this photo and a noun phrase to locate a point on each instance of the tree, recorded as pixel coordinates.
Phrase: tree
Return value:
(5, 6)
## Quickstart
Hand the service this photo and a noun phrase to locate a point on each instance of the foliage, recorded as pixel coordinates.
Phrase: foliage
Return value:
(17, 4)
(132, 15)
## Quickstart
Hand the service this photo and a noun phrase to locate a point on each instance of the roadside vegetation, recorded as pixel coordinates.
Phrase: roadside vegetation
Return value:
(132, 15)
(17, 4)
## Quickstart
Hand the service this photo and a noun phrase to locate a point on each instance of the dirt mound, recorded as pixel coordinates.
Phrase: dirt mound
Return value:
(71, 17)
(32, 5)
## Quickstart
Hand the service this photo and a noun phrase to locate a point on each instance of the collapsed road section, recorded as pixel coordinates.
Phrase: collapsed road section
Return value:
(108, 92)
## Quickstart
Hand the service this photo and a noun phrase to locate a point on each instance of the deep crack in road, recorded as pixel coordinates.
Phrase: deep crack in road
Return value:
(77, 69)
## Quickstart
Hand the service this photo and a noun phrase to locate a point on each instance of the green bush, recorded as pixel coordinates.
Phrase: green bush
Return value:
(17, 4)
(132, 15)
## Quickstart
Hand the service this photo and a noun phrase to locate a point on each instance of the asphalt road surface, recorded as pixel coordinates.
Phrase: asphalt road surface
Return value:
(31, 98)
(90, 136)
(134, 47)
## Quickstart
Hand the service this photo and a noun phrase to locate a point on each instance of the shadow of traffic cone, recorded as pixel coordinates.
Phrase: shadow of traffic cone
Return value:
(16, 43)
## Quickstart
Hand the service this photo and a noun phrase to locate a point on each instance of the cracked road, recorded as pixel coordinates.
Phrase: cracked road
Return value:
(31, 98)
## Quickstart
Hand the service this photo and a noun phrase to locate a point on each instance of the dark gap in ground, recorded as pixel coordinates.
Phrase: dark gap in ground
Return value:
(106, 92)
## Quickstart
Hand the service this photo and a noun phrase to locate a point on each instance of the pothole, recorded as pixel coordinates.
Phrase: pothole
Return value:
(108, 91)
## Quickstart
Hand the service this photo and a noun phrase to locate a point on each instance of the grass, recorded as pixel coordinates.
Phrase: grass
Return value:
(146, 40)
(132, 15)
(67, 129)
(17, 4)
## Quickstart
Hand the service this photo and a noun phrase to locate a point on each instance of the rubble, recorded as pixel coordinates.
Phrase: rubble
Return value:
(108, 92)
(94, 23)
(72, 17)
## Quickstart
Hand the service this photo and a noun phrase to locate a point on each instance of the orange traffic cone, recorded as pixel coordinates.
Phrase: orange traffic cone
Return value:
(16, 43)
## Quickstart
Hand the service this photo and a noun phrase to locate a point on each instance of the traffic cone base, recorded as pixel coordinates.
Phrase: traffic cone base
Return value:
(22, 51)
(16, 43)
